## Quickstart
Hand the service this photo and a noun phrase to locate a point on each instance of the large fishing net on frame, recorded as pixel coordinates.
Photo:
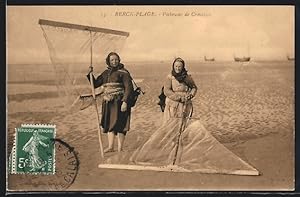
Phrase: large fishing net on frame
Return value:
(180, 145)
(72, 49)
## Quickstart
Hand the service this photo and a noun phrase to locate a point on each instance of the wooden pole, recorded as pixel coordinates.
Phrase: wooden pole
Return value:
(95, 101)
(182, 127)
(82, 27)
(175, 168)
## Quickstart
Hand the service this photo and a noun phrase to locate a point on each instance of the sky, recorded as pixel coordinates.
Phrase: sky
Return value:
(163, 32)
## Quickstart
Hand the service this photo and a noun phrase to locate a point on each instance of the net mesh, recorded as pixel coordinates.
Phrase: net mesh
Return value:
(71, 54)
(197, 151)
(181, 143)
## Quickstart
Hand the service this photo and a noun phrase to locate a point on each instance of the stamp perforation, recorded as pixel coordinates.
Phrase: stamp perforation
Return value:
(34, 139)
(38, 125)
(12, 158)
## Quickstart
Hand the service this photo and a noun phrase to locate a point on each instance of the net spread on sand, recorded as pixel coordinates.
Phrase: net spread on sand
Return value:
(194, 150)
(198, 151)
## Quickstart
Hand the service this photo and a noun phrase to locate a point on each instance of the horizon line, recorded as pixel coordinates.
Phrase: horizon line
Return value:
(148, 61)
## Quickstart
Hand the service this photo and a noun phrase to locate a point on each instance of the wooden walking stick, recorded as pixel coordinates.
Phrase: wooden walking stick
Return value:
(95, 100)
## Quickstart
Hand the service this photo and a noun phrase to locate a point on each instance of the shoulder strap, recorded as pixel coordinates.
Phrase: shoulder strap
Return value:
(126, 71)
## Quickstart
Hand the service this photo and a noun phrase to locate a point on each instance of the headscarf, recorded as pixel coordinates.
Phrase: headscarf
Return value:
(183, 74)
(111, 68)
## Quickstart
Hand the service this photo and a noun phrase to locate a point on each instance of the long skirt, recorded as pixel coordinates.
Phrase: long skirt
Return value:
(113, 120)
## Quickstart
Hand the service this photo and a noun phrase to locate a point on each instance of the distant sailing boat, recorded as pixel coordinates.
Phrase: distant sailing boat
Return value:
(209, 59)
(242, 59)
(290, 58)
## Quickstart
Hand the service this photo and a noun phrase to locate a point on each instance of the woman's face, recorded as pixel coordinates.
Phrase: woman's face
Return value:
(113, 60)
(178, 66)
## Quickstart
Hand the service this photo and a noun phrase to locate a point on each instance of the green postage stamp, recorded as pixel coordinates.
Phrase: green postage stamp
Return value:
(33, 150)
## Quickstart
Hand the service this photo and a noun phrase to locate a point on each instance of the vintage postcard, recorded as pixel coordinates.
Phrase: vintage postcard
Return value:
(156, 98)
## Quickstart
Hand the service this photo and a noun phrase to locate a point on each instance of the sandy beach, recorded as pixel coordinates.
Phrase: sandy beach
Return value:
(248, 107)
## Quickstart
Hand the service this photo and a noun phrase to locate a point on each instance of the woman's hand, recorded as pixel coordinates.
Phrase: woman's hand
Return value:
(123, 107)
(186, 97)
(183, 98)
(90, 69)
(189, 96)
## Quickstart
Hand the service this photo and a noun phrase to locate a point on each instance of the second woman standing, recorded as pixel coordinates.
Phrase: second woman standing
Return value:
(179, 88)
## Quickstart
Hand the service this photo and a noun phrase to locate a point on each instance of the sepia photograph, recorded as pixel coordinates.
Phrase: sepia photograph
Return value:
(150, 98)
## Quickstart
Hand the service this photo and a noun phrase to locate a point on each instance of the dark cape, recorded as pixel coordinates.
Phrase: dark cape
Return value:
(112, 118)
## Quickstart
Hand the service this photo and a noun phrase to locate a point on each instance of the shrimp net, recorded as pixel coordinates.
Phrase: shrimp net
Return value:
(72, 49)
(180, 145)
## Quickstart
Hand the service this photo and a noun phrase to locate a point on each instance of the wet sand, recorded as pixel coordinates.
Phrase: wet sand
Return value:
(247, 107)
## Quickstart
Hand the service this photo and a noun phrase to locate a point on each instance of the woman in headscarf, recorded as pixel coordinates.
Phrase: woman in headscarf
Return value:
(117, 88)
(179, 88)
(164, 146)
